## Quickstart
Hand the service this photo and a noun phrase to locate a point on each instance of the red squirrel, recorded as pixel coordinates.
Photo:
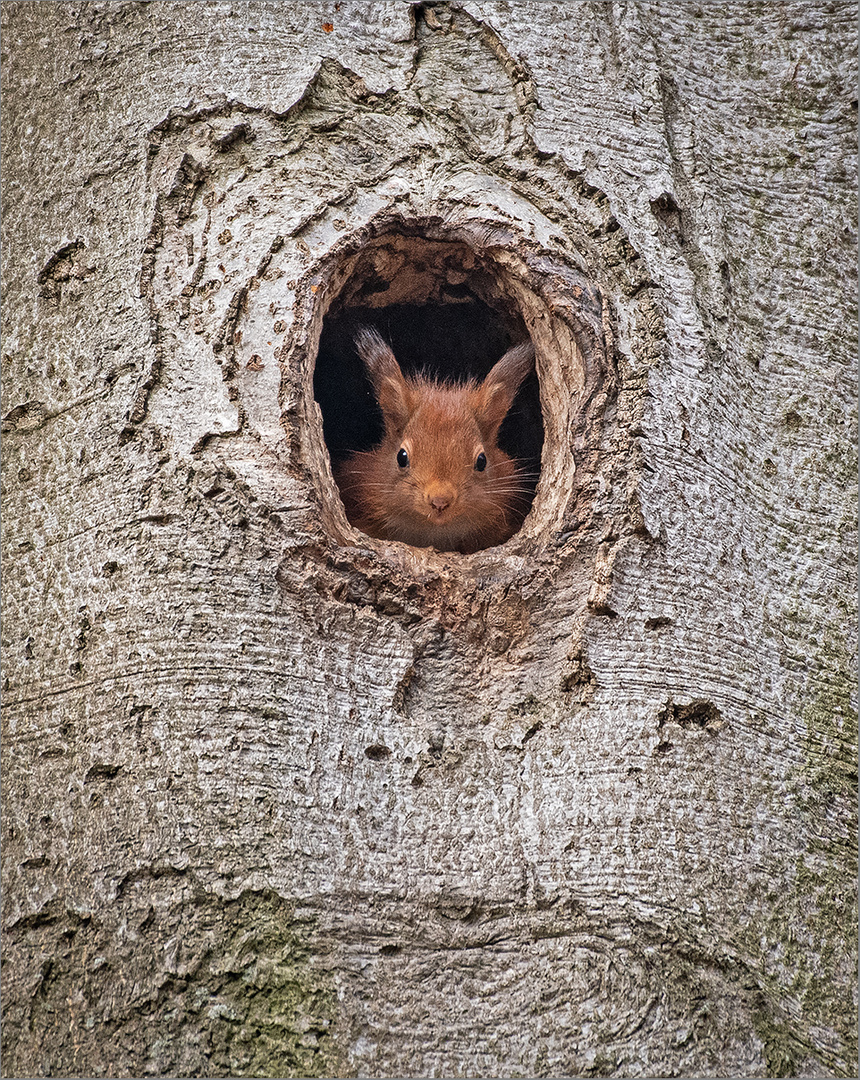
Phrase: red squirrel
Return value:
(438, 478)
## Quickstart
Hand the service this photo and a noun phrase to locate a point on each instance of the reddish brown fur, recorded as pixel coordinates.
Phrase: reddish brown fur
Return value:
(440, 499)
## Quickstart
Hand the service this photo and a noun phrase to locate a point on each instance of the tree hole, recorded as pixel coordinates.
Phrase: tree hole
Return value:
(446, 320)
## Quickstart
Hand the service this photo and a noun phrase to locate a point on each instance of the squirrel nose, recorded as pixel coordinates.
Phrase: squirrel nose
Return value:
(439, 497)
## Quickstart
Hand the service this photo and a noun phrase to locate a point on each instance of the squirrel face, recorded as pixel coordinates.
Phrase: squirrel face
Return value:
(438, 478)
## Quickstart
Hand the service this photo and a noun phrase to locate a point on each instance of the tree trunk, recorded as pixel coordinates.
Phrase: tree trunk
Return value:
(280, 799)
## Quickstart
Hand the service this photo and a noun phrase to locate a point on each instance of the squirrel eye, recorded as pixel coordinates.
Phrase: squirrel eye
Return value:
(481, 462)
(402, 458)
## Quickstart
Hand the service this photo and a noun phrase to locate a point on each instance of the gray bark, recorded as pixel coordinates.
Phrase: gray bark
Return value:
(283, 800)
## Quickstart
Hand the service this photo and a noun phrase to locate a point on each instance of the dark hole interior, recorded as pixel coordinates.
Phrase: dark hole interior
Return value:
(456, 341)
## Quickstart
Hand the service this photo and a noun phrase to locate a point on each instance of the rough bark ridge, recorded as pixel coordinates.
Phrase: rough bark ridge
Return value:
(281, 800)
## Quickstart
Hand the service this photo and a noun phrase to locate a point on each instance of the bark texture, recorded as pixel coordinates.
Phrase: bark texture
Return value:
(283, 800)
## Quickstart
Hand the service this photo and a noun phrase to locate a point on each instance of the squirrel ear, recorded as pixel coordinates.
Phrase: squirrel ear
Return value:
(392, 391)
(496, 393)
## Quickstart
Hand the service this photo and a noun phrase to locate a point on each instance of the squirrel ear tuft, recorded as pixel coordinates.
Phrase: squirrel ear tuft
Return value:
(392, 391)
(496, 393)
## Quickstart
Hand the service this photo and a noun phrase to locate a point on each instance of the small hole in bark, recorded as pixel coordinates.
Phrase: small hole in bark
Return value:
(699, 714)
(445, 319)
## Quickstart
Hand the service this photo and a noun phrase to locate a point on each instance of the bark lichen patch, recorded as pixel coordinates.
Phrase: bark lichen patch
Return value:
(830, 717)
(805, 954)
(157, 986)
(804, 947)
